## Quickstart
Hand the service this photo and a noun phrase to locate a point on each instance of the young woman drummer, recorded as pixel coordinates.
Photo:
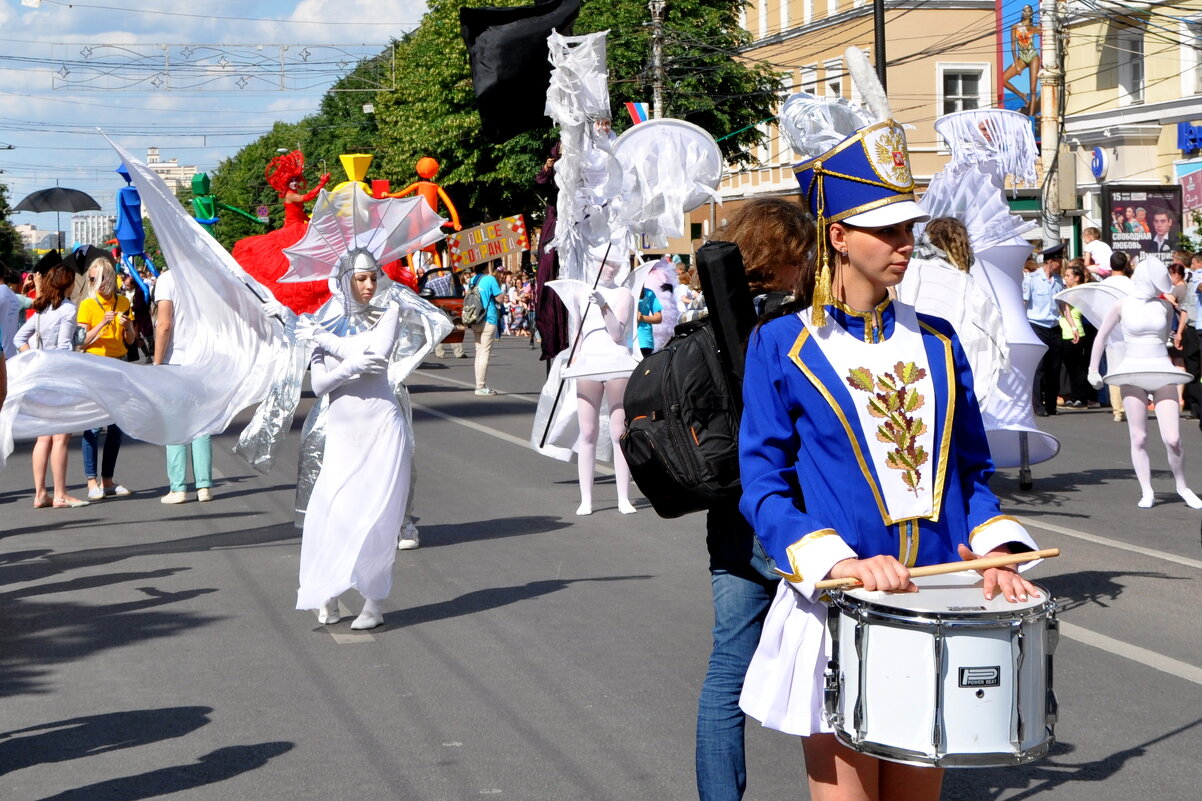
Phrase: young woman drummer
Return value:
(861, 449)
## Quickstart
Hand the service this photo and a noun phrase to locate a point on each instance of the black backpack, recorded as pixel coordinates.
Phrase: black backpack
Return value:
(682, 424)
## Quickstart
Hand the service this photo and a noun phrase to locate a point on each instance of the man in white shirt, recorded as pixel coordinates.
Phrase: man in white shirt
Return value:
(166, 351)
(1096, 253)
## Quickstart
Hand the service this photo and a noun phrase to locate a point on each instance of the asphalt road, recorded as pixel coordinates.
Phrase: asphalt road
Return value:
(151, 651)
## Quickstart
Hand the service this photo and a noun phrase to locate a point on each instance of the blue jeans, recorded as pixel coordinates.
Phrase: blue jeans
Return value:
(112, 446)
(742, 594)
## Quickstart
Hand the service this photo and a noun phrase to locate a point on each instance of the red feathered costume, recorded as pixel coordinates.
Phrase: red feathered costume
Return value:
(263, 256)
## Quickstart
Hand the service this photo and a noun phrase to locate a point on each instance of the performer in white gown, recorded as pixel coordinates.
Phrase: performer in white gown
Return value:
(358, 501)
(1144, 369)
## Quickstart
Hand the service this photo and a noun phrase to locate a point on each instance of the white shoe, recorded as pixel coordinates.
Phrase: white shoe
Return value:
(486, 391)
(368, 619)
(174, 497)
(204, 495)
(627, 508)
(329, 613)
(408, 543)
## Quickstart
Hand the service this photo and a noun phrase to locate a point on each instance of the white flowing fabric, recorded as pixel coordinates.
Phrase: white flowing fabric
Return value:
(934, 286)
(232, 349)
(358, 501)
(987, 146)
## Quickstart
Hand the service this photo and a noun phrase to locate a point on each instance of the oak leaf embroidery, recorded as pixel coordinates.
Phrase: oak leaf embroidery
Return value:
(893, 399)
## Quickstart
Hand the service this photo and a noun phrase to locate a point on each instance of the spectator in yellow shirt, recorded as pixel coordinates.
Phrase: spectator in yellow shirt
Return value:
(110, 331)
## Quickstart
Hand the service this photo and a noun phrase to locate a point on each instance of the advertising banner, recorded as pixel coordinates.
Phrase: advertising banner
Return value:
(1142, 219)
(489, 241)
(1018, 56)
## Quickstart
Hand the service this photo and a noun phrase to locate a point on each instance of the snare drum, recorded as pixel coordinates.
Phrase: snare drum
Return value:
(942, 676)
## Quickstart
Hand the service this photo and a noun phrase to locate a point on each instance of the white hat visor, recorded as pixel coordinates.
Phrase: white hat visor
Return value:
(892, 214)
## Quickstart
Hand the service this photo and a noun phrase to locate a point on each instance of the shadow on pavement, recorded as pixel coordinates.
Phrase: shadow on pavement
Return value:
(1095, 587)
(38, 635)
(480, 530)
(217, 766)
(484, 600)
(64, 740)
(1044, 776)
(41, 564)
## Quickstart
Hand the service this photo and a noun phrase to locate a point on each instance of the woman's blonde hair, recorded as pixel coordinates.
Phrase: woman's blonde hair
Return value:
(949, 235)
(106, 273)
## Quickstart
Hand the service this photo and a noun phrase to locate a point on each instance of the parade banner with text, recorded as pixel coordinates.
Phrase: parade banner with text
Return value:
(489, 241)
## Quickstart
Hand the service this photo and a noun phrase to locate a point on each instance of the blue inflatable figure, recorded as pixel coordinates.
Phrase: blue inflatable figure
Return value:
(131, 237)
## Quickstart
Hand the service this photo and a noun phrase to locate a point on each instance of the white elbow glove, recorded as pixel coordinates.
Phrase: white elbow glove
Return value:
(1095, 379)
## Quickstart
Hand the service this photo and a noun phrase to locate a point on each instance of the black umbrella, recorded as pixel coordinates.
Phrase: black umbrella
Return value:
(57, 198)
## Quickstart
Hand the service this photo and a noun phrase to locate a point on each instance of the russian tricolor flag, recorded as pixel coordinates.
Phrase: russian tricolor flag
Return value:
(638, 112)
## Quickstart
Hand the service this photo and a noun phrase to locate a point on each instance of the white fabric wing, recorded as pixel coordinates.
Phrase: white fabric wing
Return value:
(233, 345)
(349, 218)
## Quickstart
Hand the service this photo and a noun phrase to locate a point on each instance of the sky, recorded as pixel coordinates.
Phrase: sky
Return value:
(54, 92)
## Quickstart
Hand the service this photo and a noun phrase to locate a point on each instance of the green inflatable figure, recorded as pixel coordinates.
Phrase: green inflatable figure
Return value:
(205, 205)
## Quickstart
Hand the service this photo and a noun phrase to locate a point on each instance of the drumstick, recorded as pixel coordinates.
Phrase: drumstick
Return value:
(951, 567)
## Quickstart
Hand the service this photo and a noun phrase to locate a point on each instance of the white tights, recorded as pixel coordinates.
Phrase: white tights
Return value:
(588, 410)
(1168, 421)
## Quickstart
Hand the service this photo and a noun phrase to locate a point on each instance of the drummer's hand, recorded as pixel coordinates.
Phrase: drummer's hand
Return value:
(1004, 579)
(876, 573)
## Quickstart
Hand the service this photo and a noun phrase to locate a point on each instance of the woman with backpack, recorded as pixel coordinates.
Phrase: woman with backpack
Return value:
(52, 327)
(833, 486)
(775, 238)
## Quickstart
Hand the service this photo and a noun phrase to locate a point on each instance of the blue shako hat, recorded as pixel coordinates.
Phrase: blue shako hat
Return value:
(863, 181)
(859, 179)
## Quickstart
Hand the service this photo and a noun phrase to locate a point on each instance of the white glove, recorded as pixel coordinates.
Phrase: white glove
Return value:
(366, 364)
(1095, 379)
(598, 297)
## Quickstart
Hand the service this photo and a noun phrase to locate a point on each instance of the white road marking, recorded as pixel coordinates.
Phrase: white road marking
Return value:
(1165, 664)
(352, 639)
(1111, 543)
(492, 432)
(472, 385)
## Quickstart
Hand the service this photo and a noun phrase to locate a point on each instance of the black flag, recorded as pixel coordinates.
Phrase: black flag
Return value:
(507, 49)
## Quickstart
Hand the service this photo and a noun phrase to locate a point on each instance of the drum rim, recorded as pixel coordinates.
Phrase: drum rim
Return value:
(990, 759)
(860, 607)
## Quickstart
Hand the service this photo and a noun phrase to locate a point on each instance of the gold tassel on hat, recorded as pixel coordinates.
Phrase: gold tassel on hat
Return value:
(822, 291)
(822, 282)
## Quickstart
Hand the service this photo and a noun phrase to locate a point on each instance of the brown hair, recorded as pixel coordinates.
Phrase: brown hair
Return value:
(774, 235)
(1093, 233)
(56, 285)
(949, 235)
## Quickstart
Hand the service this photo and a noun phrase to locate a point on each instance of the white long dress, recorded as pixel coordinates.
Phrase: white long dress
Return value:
(358, 501)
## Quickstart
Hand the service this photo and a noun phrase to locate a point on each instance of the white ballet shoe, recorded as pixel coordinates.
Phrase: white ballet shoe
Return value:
(369, 618)
(1192, 500)
(329, 613)
(1146, 501)
(584, 509)
(627, 508)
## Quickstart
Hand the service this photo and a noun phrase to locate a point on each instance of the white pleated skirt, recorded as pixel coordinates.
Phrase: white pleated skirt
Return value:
(784, 685)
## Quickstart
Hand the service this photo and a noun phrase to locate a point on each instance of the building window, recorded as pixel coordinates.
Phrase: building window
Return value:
(833, 85)
(962, 86)
(1191, 56)
(809, 79)
(1131, 66)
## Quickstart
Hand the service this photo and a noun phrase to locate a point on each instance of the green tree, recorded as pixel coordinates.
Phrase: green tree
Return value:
(432, 111)
(12, 249)
(238, 181)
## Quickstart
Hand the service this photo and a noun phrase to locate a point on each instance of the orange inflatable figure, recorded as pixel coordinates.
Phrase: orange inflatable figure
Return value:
(431, 192)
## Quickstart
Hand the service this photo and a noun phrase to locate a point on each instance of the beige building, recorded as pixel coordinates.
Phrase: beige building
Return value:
(942, 57)
(1133, 71)
(177, 176)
